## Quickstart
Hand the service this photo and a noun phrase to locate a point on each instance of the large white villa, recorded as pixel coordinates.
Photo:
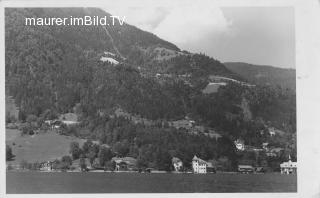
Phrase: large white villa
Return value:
(199, 165)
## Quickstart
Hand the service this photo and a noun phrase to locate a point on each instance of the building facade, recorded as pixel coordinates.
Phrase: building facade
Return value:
(177, 164)
(239, 145)
(199, 165)
(125, 163)
(245, 169)
(288, 167)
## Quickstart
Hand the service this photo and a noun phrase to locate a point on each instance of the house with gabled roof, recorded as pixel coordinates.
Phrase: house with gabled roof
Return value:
(199, 165)
(177, 164)
(288, 167)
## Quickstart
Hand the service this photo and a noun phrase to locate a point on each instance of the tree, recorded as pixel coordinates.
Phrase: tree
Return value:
(83, 165)
(56, 164)
(110, 165)
(31, 118)
(122, 148)
(164, 160)
(142, 163)
(35, 166)
(22, 116)
(23, 164)
(86, 146)
(49, 114)
(104, 155)
(91, 155)
(225, 163)
(9, 154)
(67, 160)
(27, 129)
(75, 150)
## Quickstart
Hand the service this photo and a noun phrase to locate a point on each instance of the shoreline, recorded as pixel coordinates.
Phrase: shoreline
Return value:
(154, 172)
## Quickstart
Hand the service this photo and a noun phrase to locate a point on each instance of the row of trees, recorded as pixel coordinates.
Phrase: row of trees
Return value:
(91, 151)
(152, 146)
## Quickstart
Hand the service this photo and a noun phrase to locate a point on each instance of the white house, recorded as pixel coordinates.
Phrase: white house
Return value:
(177, 164)
(110, 60)
(265, 145)
(199, 165)
(46, 166)
(69, 119)
(288, 167)
(239, 145)
(272, 131)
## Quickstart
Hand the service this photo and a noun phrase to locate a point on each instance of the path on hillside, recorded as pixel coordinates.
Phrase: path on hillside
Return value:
(112, 42)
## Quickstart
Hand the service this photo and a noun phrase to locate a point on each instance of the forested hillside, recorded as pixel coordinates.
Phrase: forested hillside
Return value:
(58, 69)
(264, 75)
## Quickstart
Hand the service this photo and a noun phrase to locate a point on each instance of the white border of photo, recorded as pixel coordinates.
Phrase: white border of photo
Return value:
(307, 24)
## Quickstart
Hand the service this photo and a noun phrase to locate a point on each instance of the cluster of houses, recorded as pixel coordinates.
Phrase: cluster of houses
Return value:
(186, 123)
(190, 125)
(67, 119)
(240, 146)
(123, 164)
(218, 79)
(288, 167)
(199, 166)
(270, 151)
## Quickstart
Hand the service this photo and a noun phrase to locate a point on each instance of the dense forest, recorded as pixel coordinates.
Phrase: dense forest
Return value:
(58, 70)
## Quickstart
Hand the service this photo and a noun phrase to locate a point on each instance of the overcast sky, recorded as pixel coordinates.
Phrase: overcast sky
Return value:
(257, 35)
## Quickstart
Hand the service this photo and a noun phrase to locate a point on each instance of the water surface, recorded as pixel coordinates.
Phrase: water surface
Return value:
(93, 182)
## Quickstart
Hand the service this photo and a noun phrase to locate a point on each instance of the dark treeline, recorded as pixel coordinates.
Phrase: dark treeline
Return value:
(155, 146)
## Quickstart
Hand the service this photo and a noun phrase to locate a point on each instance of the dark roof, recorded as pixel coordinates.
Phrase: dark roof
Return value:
(175, 160)
(200, 161)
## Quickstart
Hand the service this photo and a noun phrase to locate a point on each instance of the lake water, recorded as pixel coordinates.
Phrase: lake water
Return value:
(93, 182)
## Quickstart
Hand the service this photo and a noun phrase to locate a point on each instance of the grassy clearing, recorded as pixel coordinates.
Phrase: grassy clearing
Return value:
(39, 147)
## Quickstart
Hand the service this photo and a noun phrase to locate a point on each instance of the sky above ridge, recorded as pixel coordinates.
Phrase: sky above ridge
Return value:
(256, 35)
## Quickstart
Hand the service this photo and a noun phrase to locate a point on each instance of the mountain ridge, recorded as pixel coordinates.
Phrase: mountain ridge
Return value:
(264, 74)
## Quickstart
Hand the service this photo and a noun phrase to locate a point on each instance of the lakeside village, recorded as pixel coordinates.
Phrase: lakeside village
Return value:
(97, 157)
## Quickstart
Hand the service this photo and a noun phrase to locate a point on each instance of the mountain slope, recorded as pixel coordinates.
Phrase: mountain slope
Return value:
(55, 67)
(264, 75)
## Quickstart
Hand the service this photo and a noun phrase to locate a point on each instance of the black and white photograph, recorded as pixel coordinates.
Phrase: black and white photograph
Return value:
(181, 97)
